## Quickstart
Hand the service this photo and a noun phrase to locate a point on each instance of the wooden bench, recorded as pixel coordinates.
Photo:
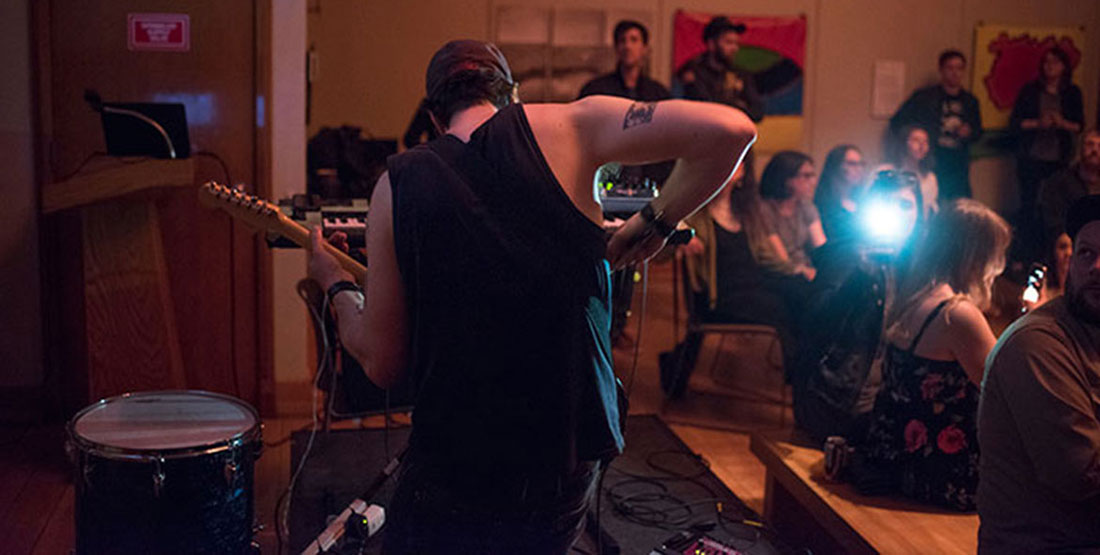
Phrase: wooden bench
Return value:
(808, 511)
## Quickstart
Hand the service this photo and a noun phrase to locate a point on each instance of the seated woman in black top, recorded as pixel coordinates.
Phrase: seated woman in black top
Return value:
(842, 180)
(923, 437)
(728, 284)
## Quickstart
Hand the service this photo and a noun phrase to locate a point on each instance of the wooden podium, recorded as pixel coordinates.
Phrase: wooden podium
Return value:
(129, 337)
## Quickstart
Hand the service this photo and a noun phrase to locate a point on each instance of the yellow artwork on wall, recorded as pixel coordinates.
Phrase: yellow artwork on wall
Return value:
(1007, 57)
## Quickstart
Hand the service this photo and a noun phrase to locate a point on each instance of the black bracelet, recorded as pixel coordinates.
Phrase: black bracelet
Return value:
(342, 285)
(656, 221)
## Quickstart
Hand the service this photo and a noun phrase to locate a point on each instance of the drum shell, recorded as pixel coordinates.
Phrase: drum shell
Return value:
(195, 500)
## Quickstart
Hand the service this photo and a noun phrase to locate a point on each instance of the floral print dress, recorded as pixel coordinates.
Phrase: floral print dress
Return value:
(923, 431)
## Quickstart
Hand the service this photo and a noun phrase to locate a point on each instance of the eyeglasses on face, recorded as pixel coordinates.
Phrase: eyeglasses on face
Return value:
(905, 176)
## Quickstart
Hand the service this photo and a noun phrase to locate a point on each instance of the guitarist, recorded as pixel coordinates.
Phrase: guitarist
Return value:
(489, 282)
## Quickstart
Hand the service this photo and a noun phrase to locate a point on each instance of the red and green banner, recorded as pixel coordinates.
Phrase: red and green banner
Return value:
(773, 50)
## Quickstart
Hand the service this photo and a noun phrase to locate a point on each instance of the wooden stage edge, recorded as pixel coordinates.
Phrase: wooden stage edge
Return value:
(807, 510)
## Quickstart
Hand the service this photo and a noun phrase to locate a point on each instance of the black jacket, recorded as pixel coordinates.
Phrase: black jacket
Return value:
(1027, 107)
(923, 108)
(702, 81)
(611, 84)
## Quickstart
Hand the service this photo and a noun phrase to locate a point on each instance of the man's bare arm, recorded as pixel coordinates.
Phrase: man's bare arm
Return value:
(707, 139)
(377, 335)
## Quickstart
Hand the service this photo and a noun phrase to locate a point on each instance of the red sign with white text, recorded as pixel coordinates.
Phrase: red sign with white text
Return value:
(165, 32)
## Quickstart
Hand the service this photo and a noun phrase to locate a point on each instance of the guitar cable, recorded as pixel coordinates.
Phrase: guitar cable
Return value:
(281, 517)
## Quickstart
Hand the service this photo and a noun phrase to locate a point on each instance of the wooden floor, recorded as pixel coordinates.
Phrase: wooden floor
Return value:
(36, 494)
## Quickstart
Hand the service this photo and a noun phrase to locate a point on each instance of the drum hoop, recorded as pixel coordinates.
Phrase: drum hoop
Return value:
(86, 445)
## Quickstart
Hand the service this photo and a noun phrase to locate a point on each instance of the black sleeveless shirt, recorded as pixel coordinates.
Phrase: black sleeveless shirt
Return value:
(507, 290)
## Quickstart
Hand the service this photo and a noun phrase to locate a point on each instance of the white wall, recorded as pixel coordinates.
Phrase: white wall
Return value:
(20, 308)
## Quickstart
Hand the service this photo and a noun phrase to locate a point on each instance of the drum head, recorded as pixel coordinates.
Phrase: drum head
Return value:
(164, 420)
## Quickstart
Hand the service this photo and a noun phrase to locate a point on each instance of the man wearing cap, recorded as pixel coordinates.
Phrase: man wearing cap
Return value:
(489, 288)
(712, 76)
(1039, 415)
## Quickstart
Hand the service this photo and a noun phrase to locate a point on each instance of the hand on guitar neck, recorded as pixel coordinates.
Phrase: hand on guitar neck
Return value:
(324, 267)
(265, 216)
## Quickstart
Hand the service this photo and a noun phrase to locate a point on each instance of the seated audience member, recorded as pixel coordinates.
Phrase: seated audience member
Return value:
(787, 189)
(908, 151)
(1060, 190)
(841, 181)
(728, 284)
(1058, 271)
(923, 439)
(838, 373)
(1039, 421)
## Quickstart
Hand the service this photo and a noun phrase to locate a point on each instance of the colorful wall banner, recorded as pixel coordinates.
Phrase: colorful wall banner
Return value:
(773, 50)
(1006, 57)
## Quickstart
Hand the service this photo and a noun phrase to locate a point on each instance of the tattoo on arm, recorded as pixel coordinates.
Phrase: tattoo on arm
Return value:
(639, 113)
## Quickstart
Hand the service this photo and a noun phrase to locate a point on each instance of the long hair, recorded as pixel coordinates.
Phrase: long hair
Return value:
(964, 246)
(745, 205)
(898, 148)
(783, 166)
(832, 174)
(1067, 75)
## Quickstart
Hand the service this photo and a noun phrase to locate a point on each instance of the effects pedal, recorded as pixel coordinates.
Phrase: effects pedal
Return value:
(693, 543)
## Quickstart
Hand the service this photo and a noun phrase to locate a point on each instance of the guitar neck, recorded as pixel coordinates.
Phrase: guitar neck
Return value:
(262, 215)
(298, 233)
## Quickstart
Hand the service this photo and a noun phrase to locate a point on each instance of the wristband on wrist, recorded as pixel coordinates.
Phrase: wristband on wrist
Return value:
(656, 221)
(348, 286)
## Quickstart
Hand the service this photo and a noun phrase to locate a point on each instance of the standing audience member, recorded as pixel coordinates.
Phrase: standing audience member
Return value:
(713, 77)
(787, 188)
(629, 80)
(1060, 190)
(727, 283)
(950, 114)
(1047, 115)
(909, 152)
(837, 191)
(838, 373)
(1039, 421)
(923, 436)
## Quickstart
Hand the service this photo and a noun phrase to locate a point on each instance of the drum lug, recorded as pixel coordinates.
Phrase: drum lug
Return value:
(230, 471)
(158, 476)
(86, 472)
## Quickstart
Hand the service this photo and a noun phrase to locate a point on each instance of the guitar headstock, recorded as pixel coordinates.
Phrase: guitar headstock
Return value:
(254, 210)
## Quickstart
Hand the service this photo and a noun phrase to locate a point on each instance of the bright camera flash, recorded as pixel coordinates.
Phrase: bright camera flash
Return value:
(884, 221)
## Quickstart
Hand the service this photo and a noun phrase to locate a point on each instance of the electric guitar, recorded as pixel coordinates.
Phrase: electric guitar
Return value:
(265, 216)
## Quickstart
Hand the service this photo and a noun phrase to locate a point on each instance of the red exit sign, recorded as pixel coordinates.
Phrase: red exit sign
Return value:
(166, 32)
